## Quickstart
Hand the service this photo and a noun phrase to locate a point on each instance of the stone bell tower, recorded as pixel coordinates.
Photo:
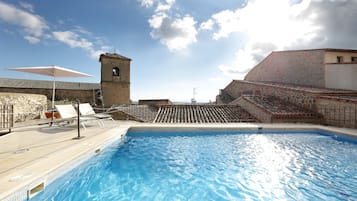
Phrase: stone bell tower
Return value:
(115, 79)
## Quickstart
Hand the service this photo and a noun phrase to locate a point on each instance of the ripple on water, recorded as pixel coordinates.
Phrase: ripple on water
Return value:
(227, 167)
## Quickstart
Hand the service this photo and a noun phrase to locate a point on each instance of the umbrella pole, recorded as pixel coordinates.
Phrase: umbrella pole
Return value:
(78, 123)
(53, 99)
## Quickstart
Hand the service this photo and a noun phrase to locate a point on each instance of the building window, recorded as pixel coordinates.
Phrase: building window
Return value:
(116, 71)
(339, 59)
(353, 59)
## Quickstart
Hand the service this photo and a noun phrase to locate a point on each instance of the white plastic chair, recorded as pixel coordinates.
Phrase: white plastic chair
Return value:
(68, 112)
(86, 109)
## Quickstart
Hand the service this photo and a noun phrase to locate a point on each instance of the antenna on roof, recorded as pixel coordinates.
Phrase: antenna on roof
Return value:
(193, 100)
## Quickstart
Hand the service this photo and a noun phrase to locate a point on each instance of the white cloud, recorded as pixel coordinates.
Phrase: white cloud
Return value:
(228, 22)
(176, 34)
(164, 6)
(240, 66)
(27, 6)
(337, 19)
(35, 29)
(156, 20)
(32, 40)
(208, 25)
(268, 25)
(33, 25)
(96, 53)
(147, 3)
(72, 39)
(267, 21)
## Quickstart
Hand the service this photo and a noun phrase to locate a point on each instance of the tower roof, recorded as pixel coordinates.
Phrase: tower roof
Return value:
(114, 56)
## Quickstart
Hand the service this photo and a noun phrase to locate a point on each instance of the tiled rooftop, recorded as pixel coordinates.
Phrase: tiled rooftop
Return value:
(202, 114)
(280, 108)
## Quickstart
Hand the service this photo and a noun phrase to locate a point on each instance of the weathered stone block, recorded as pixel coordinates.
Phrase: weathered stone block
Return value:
(26, 106)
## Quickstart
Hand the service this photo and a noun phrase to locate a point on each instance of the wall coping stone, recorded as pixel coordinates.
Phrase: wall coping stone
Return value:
(44, 84)
(299, 88)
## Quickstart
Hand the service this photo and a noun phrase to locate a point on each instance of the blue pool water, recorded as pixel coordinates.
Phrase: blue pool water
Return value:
(215, 166)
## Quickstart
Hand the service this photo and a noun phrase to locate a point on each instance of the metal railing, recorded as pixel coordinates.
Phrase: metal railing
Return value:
(341, 116)
(6, 117)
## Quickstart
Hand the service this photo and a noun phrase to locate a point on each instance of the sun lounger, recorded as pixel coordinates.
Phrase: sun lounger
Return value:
(86, 109)
(68, 112)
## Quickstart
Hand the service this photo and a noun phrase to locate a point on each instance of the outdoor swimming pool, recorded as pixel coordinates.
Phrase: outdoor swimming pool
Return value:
(217, 165)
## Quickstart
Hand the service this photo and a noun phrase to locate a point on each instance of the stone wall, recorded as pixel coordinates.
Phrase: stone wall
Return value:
(85, 92)
(26, 106)
(115, 93)
(110, 61)
(338, 111)
(265, 115)
(61, 94)
(341, 76)
(223, 97)
(115, 79)
(258, 112)
(338, 108)
(119, 115)
(298, 97)
(303, 67)
(155, 102)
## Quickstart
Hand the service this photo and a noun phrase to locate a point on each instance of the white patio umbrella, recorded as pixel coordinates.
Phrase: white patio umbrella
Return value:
(52, 71)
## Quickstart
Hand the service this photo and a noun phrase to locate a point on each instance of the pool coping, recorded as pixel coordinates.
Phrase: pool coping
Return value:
(248, 127)
(47, 170)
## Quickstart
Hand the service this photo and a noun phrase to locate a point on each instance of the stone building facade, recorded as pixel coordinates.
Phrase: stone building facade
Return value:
(305, 97)
(337, 107)
(328, 68)
(321, 80)
(115, 79)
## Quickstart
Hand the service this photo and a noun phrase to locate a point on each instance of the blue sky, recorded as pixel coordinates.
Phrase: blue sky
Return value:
(175, 45)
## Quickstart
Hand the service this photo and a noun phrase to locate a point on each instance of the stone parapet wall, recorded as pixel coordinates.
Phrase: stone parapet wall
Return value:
(26, 106)
(43, 84)
(298, 97)
(155, 102)
(120, 115)
(71, 91)
(258, 112)
(223, 98)
(338, 111)
(219, 100)
(339, 108)
(276, 113)
(61, 94)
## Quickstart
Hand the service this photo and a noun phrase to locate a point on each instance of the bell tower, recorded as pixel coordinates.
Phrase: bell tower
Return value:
(115, 79)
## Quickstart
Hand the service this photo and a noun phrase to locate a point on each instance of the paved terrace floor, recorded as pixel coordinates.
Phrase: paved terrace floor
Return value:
(32, 152)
